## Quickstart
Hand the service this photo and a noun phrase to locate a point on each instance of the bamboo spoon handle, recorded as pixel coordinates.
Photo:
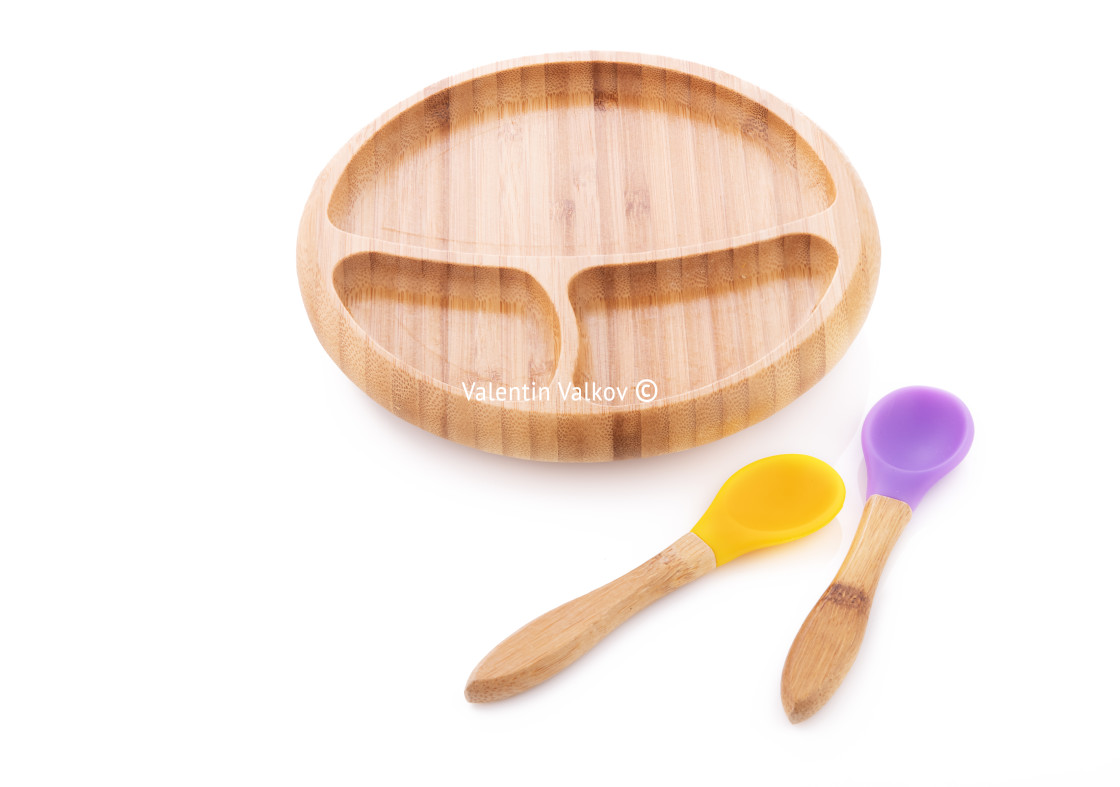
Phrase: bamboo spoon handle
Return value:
(829, 639)
(539, 650)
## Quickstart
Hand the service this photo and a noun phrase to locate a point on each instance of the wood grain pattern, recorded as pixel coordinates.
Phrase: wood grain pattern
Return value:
(539, 650)
(588, 218)
(827, 644)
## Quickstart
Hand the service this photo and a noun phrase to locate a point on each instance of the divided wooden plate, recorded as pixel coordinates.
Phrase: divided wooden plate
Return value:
(489, 255)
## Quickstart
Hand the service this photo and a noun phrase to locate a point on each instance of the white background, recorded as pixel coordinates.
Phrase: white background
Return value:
(222, 564)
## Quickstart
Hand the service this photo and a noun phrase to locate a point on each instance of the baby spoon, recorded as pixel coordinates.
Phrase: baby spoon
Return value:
(911, 438)
(767, 502)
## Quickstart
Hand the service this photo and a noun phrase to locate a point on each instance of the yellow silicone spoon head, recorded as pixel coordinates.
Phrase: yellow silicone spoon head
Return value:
(769, 502)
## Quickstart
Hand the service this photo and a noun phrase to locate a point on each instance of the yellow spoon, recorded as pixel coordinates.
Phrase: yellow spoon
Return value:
(768, 502)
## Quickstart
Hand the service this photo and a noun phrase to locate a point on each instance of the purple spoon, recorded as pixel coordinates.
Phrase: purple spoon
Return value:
(911, 438)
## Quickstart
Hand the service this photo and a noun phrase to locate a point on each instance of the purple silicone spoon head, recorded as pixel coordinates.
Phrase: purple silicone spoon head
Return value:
(911, 438)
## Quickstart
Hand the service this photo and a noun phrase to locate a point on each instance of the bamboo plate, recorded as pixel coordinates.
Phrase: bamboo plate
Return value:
(489, 255)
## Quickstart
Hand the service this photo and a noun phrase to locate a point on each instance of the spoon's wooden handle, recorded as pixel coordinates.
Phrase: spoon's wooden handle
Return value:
(539, 650)
(829, 639)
